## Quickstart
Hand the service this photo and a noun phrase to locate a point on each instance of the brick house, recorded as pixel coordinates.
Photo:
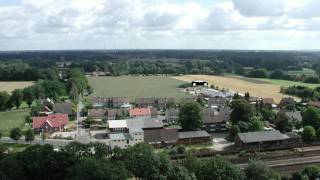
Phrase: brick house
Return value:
(146, 102)
(193, 137)
(215, 121)
(50, 123)
(140, 113)
(261, 139)
(217, 102)
(172, 115)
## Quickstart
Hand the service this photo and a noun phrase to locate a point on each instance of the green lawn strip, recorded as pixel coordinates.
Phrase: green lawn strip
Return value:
(16, 147)
(12, 119)
(283, 83)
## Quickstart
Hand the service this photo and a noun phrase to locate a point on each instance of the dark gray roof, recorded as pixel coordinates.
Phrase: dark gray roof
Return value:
(160, 135)
(261, 136)
(192, 134)
(65, 108)
(97, 113)
(294, 115)
(217, 101)
(212, 116)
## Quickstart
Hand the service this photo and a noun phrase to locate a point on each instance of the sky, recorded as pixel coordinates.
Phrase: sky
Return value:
(160, 24)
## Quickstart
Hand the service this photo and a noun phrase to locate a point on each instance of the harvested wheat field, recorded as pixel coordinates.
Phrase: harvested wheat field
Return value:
(258, 89)
(9, 86)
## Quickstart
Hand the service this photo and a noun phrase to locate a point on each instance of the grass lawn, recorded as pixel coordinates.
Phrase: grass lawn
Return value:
(305, 71)
(286, 83)
(12, 119)
(16, 147)
(136, 86)
(283, 83)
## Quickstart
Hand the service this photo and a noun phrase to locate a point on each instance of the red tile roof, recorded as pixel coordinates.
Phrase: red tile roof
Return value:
(54, 120)
(140, 112)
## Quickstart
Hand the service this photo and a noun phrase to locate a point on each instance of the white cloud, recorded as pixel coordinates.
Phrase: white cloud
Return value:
(55, 24)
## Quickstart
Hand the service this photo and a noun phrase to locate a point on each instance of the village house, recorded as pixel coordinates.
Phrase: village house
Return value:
(99, 102)
(162, 103)
(97, 114)
(145, 102)
(126, 139)
(193, 137)
(64, 108)
(113, 114)
(50, 123)
(45, 106)
(286, 103)
(125, 125)
(294, 116)
(109, 102)
(172, 115)
(187, 100)
(268, 101)
(140, 113)
(215, 121)
(217, 102)
(161, 137)
(116, 102)
(212, 93)
(261, 140)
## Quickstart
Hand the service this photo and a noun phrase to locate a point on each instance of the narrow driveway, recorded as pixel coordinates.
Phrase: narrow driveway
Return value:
(82, 134)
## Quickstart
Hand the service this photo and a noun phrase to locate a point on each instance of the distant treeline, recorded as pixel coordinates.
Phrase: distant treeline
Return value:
(18, 71)
(259, 64)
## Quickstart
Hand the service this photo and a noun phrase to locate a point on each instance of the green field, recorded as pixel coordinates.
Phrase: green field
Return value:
(136, 86)
(283, 83)
(305, 71)
(12, 119)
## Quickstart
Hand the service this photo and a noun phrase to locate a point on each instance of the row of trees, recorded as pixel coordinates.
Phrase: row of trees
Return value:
(305, 93)
(76, 85)
(42, 89)
(19, 71)
(97, 161)
(276, 74)
(16, 134)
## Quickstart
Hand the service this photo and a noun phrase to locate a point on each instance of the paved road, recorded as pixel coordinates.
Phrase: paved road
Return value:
(54, 142)
(82, 134)
(289, 162)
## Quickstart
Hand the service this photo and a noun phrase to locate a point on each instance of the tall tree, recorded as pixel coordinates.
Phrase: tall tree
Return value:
(241, 111)
(190, 116)
(4, 98)
(311, 117)
(15, 134)
(28, 96)
(308, 134)
(17, 97)
(256, 124)
(29, 135)
(256, 170)
(282, 122)
(218, 168)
